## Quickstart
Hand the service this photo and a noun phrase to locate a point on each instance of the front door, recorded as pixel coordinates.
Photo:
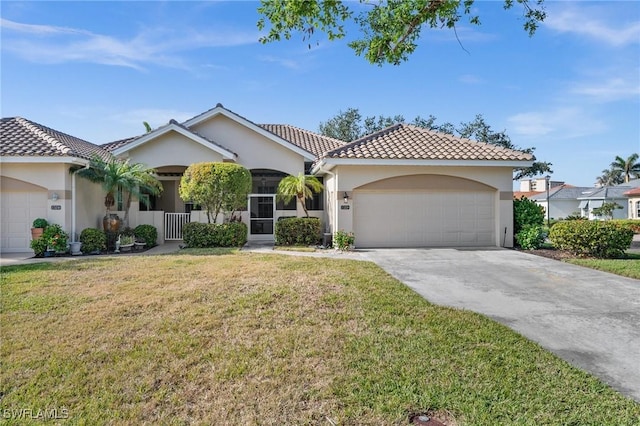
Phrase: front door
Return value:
(262, 212)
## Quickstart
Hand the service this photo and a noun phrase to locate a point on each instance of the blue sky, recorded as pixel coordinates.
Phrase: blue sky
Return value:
(97, 70)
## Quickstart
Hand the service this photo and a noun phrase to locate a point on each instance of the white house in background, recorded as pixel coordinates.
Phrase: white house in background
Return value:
(568, 200)
(634, 201)
(538, 184)
(401, 187)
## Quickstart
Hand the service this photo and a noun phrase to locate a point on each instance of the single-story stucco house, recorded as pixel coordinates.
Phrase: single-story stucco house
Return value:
(403, 186)
(566, 200)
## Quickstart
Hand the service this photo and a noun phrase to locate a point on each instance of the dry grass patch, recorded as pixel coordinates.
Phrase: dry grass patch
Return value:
(246, 338)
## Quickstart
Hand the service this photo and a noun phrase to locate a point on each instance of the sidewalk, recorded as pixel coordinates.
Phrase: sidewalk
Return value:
(8, 259)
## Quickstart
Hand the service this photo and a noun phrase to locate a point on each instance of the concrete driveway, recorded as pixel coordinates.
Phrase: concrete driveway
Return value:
(589, 318)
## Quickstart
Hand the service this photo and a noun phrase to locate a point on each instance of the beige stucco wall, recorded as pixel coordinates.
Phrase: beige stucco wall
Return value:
(52, 177)
(254, 150)
(172, 149)
(349, 178)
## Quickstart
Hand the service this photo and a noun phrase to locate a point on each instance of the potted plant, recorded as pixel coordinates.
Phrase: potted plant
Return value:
(38, 228)
(56, 238)
(39, 246)
(126, 242)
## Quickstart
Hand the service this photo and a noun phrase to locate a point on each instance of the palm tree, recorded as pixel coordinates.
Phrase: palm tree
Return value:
(135, 179)
(609, 177)
(302, 187)
(628, 167)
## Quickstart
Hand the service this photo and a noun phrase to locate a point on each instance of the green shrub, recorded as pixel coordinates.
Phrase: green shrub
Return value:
(592, 238)
(526, 213)
(575, 216)
(55, 238)
(298, 231)
(634, 224)
(201, 235)
(92, 240)
(40, 223)
(39, 246)
(146, 233)
(531, 237)
(343, 240)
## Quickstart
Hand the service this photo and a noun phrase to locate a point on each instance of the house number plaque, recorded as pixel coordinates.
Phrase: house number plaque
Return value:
(56, 207)
(345, 207)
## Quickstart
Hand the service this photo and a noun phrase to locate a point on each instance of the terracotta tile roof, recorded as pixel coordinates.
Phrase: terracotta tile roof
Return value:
(407, 142)
(309, 141)
(527, 194)
(21, 137)
(633, 192)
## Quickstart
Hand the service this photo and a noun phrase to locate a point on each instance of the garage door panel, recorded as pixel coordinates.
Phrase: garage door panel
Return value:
(19, 209)
(423, 219)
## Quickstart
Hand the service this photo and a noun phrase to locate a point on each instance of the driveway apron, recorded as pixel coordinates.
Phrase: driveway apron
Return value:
(589, 318)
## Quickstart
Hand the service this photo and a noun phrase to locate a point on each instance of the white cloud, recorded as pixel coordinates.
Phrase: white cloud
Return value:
(610, 89)
(159, 46)
(470, 79)
(287, 63)
(563, 122)
(591, 22)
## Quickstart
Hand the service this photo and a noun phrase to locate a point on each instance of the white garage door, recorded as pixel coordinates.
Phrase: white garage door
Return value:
(424, 218)
(18, 209)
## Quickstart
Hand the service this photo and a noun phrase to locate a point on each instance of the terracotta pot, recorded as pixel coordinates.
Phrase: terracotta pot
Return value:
(36, 233)
(111, 223)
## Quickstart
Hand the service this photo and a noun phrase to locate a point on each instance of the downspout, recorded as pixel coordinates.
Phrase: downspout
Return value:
(73, 203)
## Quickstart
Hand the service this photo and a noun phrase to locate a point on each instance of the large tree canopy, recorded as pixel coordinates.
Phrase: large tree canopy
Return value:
(349, 126)
(389, 29)
(218, 187)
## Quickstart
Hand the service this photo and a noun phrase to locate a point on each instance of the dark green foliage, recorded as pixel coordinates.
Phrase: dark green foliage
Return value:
(146, 233)
(592, 238)
(92, 240)
(40, 223)
(39, 246)
(526, 213)
(201, 235)
(127, 232)
(298, 231)
(343, 240)
(55, 238)
(575, 216)
(531, 237)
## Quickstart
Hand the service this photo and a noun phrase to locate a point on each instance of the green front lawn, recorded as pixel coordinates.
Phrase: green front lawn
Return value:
(245, 338)
(629, 267)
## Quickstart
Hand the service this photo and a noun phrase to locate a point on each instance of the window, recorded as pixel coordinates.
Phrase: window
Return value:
(638, 209)
(119, 198)
(291, 205)
(316, 202)
(147, 202)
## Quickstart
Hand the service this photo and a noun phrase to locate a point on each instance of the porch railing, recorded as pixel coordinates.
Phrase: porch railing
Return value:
(173, 223)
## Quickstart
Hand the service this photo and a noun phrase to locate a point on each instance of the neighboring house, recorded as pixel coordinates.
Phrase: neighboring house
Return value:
(634, 202)
(401, 187)
(538, 184)
(568, 200)
(563, 200)
(35, 181)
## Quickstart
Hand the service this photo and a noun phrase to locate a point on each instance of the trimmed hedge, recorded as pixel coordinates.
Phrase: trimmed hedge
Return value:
(602, 239)
(298, 231)
(93, 240)
(634, 224)
(201, 235)
(148, 233)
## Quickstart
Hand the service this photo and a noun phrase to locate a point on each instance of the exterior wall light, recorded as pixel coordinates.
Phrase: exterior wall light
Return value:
(346, 198)
(54, 196)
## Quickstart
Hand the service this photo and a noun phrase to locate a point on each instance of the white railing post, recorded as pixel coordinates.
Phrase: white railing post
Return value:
(173, 223)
